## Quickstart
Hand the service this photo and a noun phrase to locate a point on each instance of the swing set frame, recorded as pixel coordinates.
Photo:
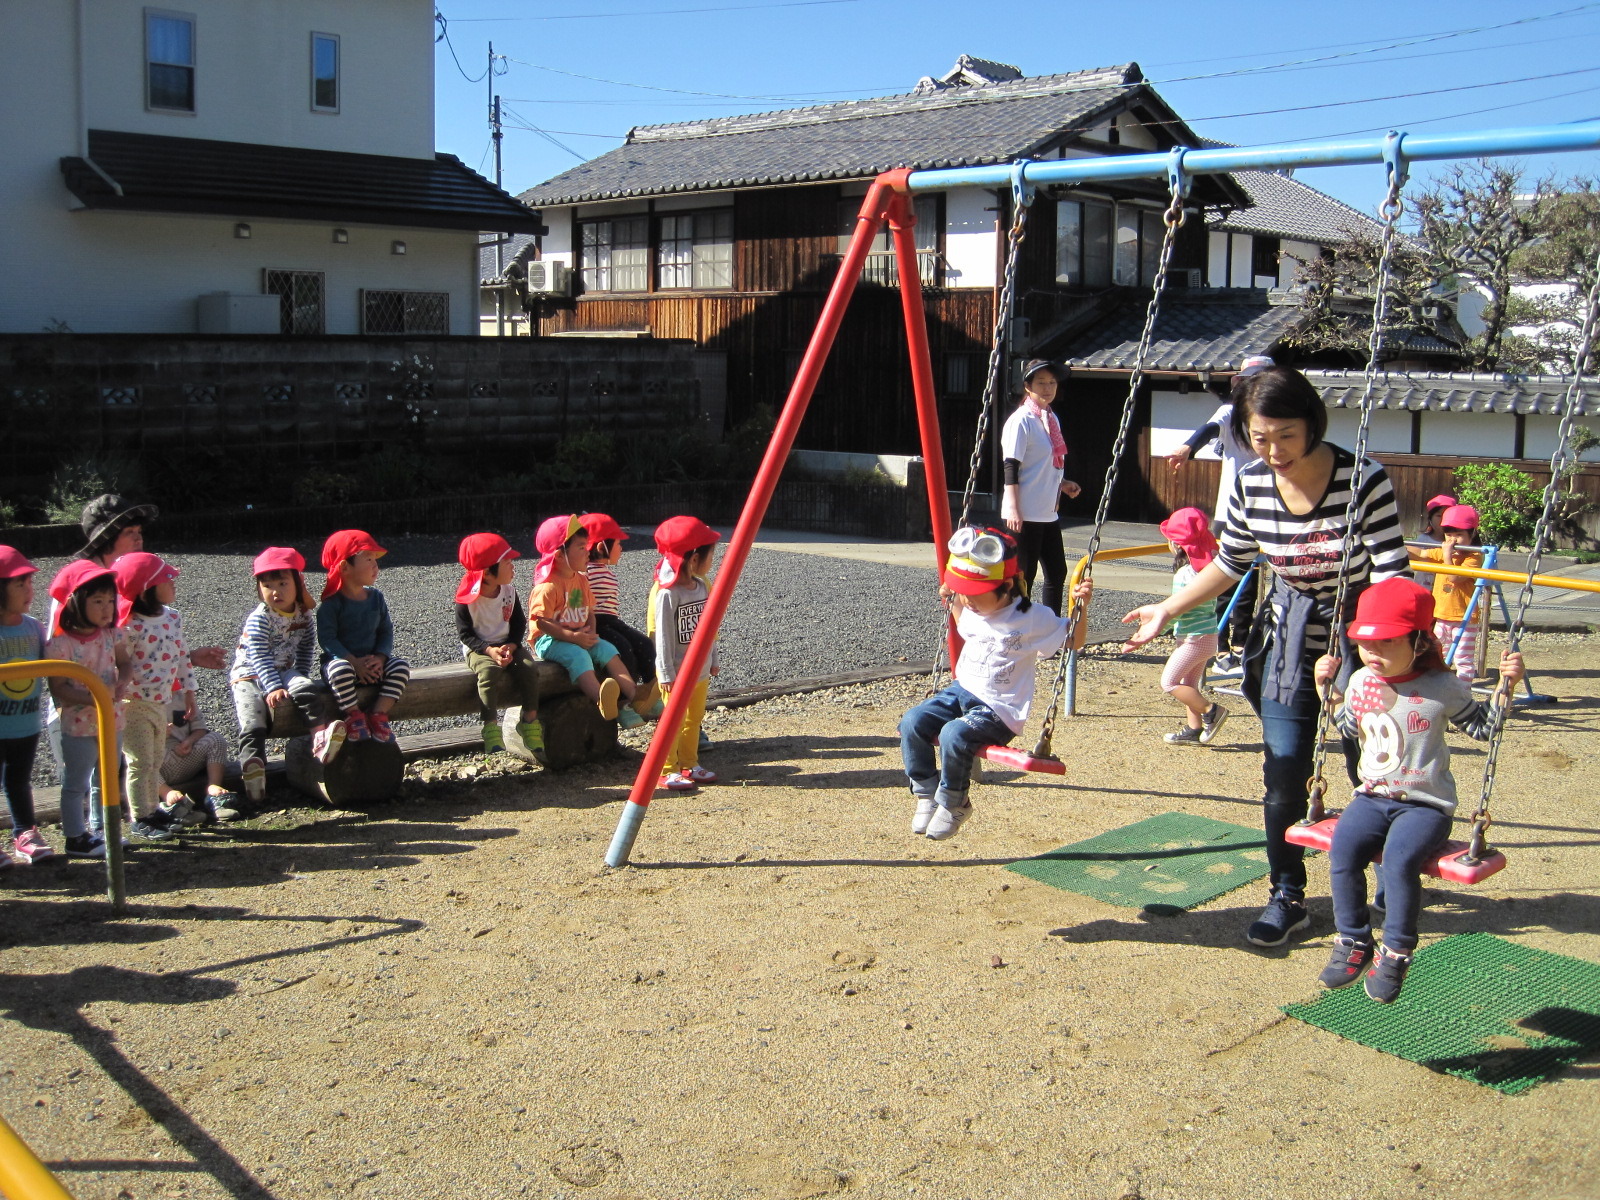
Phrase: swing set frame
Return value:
(889, 200)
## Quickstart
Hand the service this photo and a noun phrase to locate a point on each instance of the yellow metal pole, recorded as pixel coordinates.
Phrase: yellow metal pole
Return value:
(105, 714)
(1078, 571)
(1495, 573)
(22, 1175)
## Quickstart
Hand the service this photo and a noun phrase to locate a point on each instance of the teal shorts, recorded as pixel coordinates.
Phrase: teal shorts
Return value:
(574, 659)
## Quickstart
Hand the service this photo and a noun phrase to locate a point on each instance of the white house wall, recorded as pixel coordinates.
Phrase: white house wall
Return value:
(1539, 439)
(556, 245)
(1243, 245)
(1288, 269)
(969, 237)
(1174, 417)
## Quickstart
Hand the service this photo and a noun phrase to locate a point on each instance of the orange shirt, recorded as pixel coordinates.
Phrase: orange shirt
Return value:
(1451, 593)
(568, 602)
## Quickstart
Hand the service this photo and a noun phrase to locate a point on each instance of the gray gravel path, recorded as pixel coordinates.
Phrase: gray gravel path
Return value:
(795, 616)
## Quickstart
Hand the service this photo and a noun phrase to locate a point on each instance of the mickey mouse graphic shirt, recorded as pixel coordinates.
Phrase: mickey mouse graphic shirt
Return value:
(1401, 723)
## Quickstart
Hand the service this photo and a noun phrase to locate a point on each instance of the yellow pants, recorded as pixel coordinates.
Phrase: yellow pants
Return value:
(685, 752)
(144, 741)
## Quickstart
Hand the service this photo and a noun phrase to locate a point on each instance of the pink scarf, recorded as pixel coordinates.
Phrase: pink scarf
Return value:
(1058, 445)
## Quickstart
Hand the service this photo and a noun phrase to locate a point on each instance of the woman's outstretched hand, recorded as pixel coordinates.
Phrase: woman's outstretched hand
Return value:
(1151, 619)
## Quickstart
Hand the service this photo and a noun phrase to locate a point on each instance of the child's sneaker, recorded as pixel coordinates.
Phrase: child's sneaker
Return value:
(493, 740)
(253, 772)
(678, 782)
(532, 735)
(610, 691)
(31, 847)
(1281, 917)
(86, 845)
(700, 774)
(1388, 976)
(328, 741)
(181, 812)
(705, 742)
(926, 807)
(378, 727)
(656, 708)
(355, 726)
(1350, 957)
(945, 821)
(1184, 737)
(1211, 722)
(629, 718)
(153, 828)
(223, 806)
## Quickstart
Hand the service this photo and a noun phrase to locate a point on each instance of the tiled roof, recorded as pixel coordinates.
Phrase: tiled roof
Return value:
(516, 244)
(246, 179)
(1211, 331)
(1282, 206)
(1439, 391)
(958, 126)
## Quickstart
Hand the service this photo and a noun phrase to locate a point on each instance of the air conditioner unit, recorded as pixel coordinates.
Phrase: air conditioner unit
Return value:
(1194, 277)
(549, 278)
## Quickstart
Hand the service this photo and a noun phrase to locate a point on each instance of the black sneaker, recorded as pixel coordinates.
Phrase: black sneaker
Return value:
(1281, 917)
(1350, 957)
(86, 845)
(227, 807)
(153, 828)
(1388, 976)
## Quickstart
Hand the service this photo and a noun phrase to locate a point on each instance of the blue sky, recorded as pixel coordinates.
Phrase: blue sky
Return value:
(659, 59)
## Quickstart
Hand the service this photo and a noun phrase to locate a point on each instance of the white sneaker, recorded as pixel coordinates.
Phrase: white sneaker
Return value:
(947, 820)
(254, 772)
(926, 807)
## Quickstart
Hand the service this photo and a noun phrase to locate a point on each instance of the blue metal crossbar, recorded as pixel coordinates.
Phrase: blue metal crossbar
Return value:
(1338, 152)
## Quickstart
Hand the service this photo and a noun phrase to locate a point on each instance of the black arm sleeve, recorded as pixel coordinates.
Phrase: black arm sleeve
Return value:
(468, 634)
(1011, 470)
(1206, 433)
(519, 623)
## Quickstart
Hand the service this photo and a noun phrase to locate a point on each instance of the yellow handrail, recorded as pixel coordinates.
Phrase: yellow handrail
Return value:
(22, 1175)
(105, 714)
(1495, 573)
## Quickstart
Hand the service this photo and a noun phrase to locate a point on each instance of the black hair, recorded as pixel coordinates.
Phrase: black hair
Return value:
(1430, 654)
(699, 550)
(1013, 586)
(600, 550)
(1280, 394)
(74, 616)
(146, 604)
(300, 592)
(1180, 558)
(5, 586)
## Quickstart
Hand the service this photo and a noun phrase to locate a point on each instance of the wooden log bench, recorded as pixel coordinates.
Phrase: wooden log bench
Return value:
(363, 772)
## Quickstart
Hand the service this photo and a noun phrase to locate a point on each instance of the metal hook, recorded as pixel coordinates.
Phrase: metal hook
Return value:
(1021, 189)
(1178, 180)
(1394, 159)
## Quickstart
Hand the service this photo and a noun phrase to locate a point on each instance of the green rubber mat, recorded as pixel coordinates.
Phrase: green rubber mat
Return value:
(1480, 1007)
(1173, 861)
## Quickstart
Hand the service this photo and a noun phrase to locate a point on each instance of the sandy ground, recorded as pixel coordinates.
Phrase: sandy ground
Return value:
(787, 995)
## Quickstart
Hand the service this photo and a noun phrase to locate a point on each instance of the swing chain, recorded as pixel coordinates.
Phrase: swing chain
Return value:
(1390, 210)
(1561, 460)
(1173, 219)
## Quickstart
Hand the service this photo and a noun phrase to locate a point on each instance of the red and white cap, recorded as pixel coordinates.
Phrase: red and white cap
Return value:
(550, 539)
(1189, 530)
(75, 575)
(338, 549)
(602, 527)
(1392, 608)
(677, 538)
(136, 573)
(479, 552)
(1459, 516)
(14, 562)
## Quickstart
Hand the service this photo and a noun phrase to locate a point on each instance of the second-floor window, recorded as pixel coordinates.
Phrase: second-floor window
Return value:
(695, 250)
(881, 266)
(614, 255)
(324, 72)
(169, 61)
(1083, 243)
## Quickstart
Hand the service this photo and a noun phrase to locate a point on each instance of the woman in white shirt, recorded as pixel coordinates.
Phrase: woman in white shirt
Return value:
(1034, 463)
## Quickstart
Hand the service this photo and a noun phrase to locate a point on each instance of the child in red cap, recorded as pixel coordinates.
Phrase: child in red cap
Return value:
(492, 628)
(561, 607)
(357, 636)
(21, 640)
(1458, 526)
(85, 631)
(677, 600)
(637, 650)
(1432, 511)
(275, 664)
(987, 703)
(1188, 532)
(1398, 705)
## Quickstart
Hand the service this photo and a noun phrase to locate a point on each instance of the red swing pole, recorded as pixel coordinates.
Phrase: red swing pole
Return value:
(868, 221)
(902, 223)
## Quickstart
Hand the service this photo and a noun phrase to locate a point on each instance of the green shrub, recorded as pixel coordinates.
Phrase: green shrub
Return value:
(1508, 502)
(84, 476)
(9, 514)
(323, 485)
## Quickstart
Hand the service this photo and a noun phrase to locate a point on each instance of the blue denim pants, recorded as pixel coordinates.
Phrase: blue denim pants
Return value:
(80, 785)
(960, 723)
(1408, 835)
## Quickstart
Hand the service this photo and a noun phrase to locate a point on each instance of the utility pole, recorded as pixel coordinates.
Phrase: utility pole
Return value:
(500, 238)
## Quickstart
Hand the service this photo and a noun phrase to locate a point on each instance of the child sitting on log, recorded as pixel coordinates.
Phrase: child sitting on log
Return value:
(637, 650)
(561, 608)
(492, 626)
(357, 636)
(196, 756)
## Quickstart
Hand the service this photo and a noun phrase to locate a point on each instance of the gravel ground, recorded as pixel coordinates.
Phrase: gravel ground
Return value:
(837, 614)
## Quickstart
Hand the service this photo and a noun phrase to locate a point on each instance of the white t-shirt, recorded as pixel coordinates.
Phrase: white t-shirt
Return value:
(491, 614)
(1234, 454)
(1000, 652)
(1026, 439)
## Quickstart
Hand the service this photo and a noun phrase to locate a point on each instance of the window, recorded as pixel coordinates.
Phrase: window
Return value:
(614, 255)
(958, 374)
(300, 300)
(880, 266)
(1264, 255)
(404, 312)
(324, 72)
(1083, 243)
(169, 61)
(696, 250)
(1152, 232)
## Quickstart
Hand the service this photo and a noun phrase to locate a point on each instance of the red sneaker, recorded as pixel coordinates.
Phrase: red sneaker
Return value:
(355, 726)
(378, 727)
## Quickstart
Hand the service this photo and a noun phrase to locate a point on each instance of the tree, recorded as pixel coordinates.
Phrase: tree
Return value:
(1562, 258)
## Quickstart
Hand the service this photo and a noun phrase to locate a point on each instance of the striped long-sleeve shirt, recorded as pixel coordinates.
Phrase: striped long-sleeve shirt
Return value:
(1305, 551)
(271, 643)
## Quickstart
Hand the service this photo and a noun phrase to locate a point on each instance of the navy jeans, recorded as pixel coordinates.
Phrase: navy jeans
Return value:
(961, 724)
(1408, 836)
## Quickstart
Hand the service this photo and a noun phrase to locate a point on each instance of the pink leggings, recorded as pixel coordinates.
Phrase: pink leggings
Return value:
(1187, 666)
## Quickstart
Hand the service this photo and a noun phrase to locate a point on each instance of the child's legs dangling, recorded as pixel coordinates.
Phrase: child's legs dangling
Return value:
(255, 719)
(919, 729)
(685, 751)
(1415, 835)
(342, 682)
(959, 742)
(488, 673)
(392, 684)
(144, 739)
(608, 662)
(1185, 671)
(1357, 840)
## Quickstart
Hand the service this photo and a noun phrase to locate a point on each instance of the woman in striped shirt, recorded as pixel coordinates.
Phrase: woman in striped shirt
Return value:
(1290, 507)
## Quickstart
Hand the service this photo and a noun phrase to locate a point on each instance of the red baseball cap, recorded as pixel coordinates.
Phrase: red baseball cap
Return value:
(477, 553)
(14, 563)
(1459, 516)
(76, 574)
(677, 538)
(1392, 608)
(278, 558)
(1189, 530)
(1440, 501)
(602, 527)
(340, 547)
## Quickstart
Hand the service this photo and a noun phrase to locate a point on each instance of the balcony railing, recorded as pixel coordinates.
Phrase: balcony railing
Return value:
(880, 268)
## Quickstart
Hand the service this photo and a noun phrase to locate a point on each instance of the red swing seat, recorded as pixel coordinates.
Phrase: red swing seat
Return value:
(1449, 865)
(1020, 760)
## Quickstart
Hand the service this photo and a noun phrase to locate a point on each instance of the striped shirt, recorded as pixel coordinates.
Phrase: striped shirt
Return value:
(1305, 551)
(603, 583)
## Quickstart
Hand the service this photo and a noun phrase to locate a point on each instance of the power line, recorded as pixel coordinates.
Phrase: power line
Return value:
(544, 133)
(661, 12)
(681, 91)
(444, 36)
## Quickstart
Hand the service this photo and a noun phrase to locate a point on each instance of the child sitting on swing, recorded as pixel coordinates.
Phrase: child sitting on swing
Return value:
(1005, 635)
(1398, 705)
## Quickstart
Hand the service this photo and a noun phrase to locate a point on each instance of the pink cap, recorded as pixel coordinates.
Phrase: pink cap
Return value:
(1459, 516)
(136, 573)
(13, 563)
(278, 558)
(1440, 501)
(1189, 530)
(550, 539)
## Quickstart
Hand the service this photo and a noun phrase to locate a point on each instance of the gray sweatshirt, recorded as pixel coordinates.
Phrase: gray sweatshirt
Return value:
(1401, 724)
(675, 615)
